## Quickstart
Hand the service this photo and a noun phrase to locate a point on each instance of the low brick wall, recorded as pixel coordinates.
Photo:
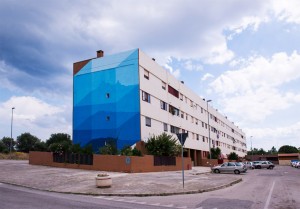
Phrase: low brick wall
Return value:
(209, 162)
(131, 164)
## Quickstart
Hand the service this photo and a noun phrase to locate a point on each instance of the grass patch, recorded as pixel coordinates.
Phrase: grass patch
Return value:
(14, 156)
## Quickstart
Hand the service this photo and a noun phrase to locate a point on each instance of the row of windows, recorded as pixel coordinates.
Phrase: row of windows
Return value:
(176, 130)
(175, 111)
(179, 95)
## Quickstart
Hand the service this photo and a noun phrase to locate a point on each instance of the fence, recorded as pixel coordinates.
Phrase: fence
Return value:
(73, 158)
(164, 160)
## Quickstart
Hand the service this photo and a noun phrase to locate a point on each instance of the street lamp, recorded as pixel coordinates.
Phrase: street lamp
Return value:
(208, 127)
(11, 127)
(251, 148)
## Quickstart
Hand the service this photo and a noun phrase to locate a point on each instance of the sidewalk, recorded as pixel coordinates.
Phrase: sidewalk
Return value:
(76, 181)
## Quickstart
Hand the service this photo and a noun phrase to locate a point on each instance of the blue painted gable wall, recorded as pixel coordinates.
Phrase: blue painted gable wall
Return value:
(96, 118)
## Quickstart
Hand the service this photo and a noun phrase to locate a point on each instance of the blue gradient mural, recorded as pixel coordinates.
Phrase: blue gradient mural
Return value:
(106, 101)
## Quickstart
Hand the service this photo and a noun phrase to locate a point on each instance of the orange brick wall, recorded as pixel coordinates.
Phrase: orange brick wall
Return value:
(111, 163)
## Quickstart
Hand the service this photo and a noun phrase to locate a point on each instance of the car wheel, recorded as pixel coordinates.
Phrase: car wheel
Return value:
(217, 171)
(258, 167)
(271, 167)
(237, 172)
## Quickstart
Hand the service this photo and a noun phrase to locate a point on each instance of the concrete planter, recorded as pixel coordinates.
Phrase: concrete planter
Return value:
(103, 181)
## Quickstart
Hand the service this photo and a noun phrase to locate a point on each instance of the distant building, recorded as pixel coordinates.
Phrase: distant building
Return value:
(128, 97)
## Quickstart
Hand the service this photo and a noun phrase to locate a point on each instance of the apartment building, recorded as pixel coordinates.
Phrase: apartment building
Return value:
(128, 97)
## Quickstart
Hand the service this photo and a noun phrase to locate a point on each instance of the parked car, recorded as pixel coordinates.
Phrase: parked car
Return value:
(297, 164)
(249, 165)
(293, 162)
(264, 164)
(230, 167)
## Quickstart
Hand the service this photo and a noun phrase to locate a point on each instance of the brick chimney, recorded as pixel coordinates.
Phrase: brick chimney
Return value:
(100, 53)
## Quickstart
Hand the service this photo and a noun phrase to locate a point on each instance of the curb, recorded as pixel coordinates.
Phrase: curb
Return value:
(136, 195)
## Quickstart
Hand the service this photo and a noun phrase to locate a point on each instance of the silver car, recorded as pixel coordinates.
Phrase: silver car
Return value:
(249, 165)
(264, 164)
(230, 167)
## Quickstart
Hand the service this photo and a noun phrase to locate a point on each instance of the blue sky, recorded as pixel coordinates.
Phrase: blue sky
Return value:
(243, 55)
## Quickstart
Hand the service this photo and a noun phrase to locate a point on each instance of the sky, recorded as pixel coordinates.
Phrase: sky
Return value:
(243, 55)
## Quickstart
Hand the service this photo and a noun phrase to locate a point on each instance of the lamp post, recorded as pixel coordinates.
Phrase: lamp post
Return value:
(11, 127)
(251, 149)
(208, 127)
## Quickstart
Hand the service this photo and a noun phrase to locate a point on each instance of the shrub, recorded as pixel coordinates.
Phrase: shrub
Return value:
(233, 156)
(163, 145)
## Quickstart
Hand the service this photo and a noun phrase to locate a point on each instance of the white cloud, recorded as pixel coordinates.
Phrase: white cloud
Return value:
(255, 89)
(34, 116)
(188, 65)
(175, 73)
(207, 76)
(268, 137)
(287, 10)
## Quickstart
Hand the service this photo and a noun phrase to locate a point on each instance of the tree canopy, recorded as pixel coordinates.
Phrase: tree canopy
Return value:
(215, 152)
(27, 142)
(233, 156)
(163, 145)
(287, 149)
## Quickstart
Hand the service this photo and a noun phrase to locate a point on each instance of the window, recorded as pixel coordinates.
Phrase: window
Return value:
(197, 135)
(192, 103)
(146, 74)
(186, 116)
(107, 118)
(107, 95)
(173, 91)
(163, 85)
(182, 114)
(174, 130)
(203, 138)
(148, 121)
(165, 127)
(146, 97)
(203, 124)
(192, 119)
(196, 122)
(163, 105)
(181, 97)
(173, 110)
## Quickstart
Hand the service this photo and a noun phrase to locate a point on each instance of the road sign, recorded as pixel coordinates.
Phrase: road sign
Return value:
(182, 137)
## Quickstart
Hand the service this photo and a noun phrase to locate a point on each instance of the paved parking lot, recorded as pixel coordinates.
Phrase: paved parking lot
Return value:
(197, 180)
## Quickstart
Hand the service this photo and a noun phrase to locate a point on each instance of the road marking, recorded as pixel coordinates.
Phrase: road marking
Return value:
(155, 204)
(122, 200)
(142, 203)
(168, 206)
(183, 207)
(199, 208)
(269, 196)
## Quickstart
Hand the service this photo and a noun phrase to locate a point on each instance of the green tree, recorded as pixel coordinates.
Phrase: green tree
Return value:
(27, 142)
(3, 148)
(163, 145)
(40, 146)
(128, 151)
(6, 141)
(110, 147)
(215, 153)
(59, 138)
(272, 151)
(233, 156)
(60, 147)
(287, 149)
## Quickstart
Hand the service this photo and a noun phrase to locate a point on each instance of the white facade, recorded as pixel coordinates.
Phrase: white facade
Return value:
(189, 112)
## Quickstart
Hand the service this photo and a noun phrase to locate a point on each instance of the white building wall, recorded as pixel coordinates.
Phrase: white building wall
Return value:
(195, 109)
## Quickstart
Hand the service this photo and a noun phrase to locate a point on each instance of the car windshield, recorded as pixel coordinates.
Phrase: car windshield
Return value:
(239, 164)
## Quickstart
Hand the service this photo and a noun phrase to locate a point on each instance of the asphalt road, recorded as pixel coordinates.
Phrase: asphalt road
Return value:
(260, 189)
